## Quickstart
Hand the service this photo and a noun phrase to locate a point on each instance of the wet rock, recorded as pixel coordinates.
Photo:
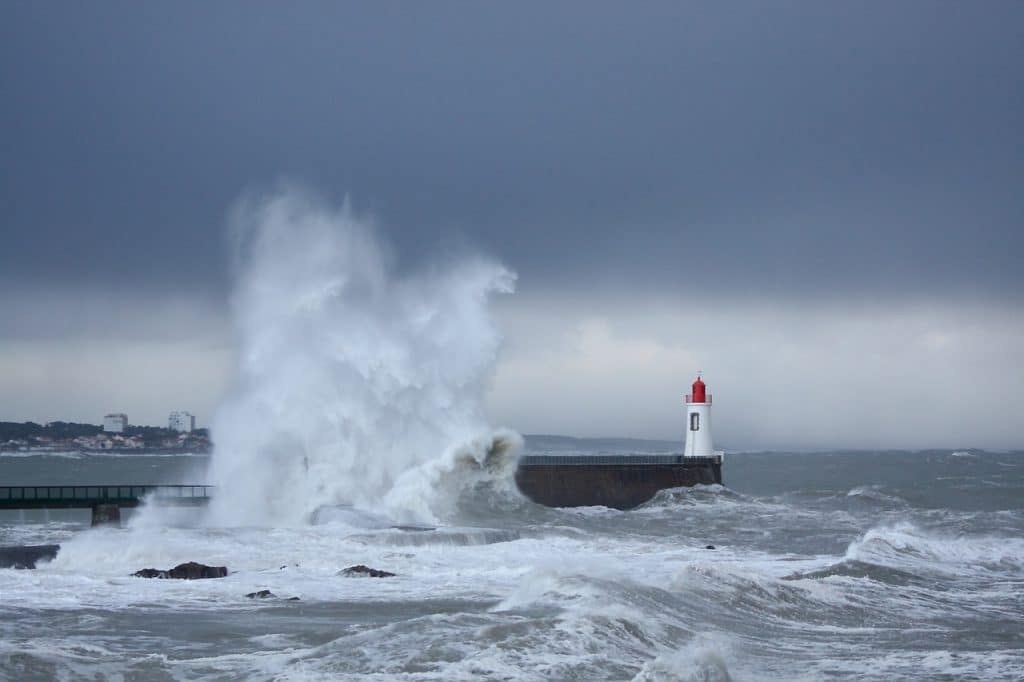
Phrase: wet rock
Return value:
(186, 571)
(262, 594)
(26, 556)
(149, 573)
(362, 571)
(194, 571)
(710, 547)
(267, 594)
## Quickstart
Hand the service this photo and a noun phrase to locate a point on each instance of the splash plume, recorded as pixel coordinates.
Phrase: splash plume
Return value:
(351, 377)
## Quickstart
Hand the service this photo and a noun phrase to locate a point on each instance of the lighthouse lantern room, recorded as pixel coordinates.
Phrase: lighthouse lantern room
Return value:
(698, 422)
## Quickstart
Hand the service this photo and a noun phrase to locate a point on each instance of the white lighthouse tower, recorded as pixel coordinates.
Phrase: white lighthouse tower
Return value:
(698, 422)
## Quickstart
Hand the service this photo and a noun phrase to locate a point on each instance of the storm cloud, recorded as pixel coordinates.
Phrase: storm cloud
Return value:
(824, 197)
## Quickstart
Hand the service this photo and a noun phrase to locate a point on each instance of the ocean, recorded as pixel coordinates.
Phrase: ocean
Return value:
(867, 565)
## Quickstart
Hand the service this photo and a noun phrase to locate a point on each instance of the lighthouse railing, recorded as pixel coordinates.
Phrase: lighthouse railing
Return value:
(707, 398)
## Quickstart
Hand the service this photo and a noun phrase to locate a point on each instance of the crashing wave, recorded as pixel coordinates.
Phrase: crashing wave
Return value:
(357, 385)
(693, 495)
(874, 494)
(852, 568)
(907, 547)
(701, 660)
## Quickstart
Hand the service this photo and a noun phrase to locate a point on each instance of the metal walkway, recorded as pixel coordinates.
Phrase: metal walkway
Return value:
(85, 497)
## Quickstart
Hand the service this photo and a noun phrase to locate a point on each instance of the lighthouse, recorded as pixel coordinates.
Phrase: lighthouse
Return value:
(625, 481)
(698, 422)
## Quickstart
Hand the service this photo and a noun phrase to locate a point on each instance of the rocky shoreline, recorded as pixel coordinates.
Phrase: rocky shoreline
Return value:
(26, 556)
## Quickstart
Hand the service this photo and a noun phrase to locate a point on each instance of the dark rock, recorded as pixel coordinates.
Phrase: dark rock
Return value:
(188, 571)
(262, 594)
(362, 571)
(710, 547)
(26, 556)
(292, 599)
(149, 573)
(194, 571)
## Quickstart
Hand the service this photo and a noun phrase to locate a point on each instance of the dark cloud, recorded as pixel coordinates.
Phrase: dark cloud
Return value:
(788, 194)
(776, 147)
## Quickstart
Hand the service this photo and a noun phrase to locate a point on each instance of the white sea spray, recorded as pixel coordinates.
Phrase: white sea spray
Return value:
(351, 377)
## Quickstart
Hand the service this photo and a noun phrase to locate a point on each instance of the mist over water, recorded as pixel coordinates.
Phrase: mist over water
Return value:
(356, 385)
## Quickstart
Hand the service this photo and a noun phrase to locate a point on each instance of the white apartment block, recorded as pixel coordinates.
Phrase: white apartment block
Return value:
(115, 423)
(182, 422)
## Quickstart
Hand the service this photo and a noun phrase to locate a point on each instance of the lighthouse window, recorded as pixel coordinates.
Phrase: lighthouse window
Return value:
(694, 421)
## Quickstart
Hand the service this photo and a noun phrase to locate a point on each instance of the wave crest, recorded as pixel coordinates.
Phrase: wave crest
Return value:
(905, 546)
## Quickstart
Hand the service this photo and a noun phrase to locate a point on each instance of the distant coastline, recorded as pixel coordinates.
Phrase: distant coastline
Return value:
(71, 437)
(70, 451)
(74, 438)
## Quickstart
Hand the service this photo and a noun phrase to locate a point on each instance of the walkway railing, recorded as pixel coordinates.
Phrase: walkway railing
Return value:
(15, 497)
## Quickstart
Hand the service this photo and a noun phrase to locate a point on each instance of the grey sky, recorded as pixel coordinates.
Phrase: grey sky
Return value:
(766, 154)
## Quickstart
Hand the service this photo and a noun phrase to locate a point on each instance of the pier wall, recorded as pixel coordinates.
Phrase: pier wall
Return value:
(616, 485)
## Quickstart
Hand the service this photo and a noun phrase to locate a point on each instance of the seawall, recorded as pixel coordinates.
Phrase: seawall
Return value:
(620, 482)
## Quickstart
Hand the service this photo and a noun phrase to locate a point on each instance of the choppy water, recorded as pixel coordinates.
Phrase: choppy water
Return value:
(864, 565)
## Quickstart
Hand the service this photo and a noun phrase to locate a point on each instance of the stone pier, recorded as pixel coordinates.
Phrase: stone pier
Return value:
(106, 515)
(617, 481)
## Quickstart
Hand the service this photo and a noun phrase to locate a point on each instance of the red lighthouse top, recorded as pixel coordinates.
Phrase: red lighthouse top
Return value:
(698, 391)
(698, 394)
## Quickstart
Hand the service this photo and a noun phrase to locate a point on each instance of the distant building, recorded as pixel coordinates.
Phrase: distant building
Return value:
(183, 422)
(115, 423)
